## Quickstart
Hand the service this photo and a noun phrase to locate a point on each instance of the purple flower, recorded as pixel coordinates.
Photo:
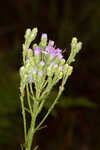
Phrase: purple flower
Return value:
(40, 73)
(58, 50)
(52, 63)
(60, 67)
(48, 48)
(52, 54)
(59, 55)
(51, 43)
(44, 36)
(51, 51)
(42, 63)
(37, 50)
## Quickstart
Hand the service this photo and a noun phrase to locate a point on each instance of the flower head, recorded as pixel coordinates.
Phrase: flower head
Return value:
(51, 43)
(37, 50)
(59, 53)
(44, 36)
(60, 67)
(40, 73)
(51, 50)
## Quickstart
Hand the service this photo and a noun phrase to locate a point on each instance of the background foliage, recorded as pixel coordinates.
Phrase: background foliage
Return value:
(75, 123)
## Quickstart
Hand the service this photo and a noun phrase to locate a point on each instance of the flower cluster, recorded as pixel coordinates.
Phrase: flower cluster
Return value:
(44, 64)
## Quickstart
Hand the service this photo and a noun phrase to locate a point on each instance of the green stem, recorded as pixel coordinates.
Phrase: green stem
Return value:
(24, 117)
(50, 109)
(61, 88)
(32, 91)
(31, 131)
(31, 134)
(28, 98)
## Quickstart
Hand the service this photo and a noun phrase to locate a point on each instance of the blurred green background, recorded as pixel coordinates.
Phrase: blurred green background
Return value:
(75, 122)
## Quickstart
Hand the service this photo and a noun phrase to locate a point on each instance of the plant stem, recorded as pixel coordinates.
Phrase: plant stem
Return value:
(24, 118)
(28, 98)
(30, 134)
(50, 109)
(31, 131)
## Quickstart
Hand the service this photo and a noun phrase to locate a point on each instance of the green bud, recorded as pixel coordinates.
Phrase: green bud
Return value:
(23, 83)
(33, 33)
(49, 73)
(34, 45)
(74, 41)
(27, 34)
(29, 53)
(69, 71)
(65, 68)
(62, 62)
(43, 43)
(59, 74)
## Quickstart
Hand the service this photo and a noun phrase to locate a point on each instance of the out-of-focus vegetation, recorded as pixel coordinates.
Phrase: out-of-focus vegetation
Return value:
(77, 122)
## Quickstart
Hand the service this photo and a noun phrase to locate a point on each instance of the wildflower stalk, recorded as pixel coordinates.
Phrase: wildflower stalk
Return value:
(43, 67)
(28, 98)
(32, 128)
(23, 114)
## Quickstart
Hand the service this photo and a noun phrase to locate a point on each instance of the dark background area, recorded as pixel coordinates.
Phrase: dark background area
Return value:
(75, 122)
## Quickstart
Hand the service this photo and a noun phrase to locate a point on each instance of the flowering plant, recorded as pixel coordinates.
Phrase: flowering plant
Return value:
(43, 67)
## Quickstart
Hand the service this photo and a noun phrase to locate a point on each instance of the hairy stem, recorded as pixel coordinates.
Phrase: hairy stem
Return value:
(24, 117)
(31, 131)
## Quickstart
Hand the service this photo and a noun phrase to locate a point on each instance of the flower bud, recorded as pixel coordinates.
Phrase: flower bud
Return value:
(33, 34)
(43, 42)
(29, 53)
(74, 41)
(44, 36)
(62, 61)
(27, 34)
(70, 69)
(37, 50)
(23, 83)
(51, 43)
(40, 73)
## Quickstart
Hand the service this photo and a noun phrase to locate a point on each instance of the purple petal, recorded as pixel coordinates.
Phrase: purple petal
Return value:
(51, 51)
(37, 50)
(58, 50)
(60, 67)
(59, 55)
(52, 63)
(51, 43)
(44, 36)
(40, 73)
